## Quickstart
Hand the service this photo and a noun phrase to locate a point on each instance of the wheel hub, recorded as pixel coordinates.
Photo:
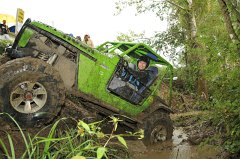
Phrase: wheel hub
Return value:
(28, 97)
(159, 134)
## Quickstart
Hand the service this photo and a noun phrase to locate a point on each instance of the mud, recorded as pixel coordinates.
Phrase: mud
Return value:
(177, 148)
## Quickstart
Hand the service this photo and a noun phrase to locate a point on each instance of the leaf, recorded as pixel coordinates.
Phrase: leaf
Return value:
(100, 135)
(78, 157)
(85, 126)
(11, 145)
(115, 122)
(100, 152)
(122, 140)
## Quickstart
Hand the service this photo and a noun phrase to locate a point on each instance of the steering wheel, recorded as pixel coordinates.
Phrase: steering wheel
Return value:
(122, 69)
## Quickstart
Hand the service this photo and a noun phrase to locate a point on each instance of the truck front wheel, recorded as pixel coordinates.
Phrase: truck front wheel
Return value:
(30, 91)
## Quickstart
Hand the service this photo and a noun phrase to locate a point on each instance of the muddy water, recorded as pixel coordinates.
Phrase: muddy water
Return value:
(178, 148)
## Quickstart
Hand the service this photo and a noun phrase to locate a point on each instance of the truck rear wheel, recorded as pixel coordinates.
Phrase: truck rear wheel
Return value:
(158, 127)
(30, 91)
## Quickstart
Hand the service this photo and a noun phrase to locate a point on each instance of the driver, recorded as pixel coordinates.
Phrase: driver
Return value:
(131, 80)
(140, 76)
(143, 64)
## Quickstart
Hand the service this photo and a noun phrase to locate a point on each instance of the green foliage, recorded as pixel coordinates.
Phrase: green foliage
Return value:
(223, 73)
(170, 42)
(101, 151)
(187, 78)
(130, 37)
(227, 120)
(3, 44)
(142, 6)
(85, 142)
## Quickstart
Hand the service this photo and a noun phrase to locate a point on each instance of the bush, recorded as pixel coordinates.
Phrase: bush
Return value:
(3, 44)
(227, 120)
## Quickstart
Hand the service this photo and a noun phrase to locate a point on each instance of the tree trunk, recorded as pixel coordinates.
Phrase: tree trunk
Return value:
(228, 22)
(202, 90)
(236, 11)
(233, 5)
(192, 21)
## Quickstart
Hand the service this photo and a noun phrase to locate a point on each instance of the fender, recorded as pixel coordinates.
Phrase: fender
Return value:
(165, 108)
(157, 105)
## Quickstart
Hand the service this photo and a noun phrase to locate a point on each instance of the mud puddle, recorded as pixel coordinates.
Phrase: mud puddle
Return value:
(178, 148)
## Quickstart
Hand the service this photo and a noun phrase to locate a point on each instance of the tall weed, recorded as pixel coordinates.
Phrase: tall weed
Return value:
(82, 141)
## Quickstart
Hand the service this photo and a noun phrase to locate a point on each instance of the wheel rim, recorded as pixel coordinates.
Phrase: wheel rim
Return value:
(28, 97)
(159, 134)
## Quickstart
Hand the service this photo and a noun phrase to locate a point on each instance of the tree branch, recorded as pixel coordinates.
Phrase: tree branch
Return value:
(235, 11)
(176, 5)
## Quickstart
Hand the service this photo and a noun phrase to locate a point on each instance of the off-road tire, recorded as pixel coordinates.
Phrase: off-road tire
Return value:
(18, 71)
(155, 120)
(4, 58)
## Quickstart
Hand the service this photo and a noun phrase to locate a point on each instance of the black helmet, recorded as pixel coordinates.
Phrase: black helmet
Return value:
(145, 59)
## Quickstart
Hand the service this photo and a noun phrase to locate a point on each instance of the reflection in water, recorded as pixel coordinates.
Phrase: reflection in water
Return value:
(181, 149)
(178, 148)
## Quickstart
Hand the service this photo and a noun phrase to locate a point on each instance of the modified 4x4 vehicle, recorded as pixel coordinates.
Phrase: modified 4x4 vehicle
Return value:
(45, 66)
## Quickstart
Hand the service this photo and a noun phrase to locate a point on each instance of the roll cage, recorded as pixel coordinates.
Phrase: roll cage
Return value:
(129, 53)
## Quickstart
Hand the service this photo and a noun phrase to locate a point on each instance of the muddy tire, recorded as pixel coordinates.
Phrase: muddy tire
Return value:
(4, 58)
(158, 127)
(31, 91)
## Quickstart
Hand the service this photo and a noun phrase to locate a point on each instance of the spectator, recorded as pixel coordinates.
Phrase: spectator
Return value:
(79, 38)
(4, 31)
(71, 34)
(88, 41)
(4, 28)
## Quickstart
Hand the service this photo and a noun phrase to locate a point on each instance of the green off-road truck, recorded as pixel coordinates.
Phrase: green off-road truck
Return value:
(44, 67)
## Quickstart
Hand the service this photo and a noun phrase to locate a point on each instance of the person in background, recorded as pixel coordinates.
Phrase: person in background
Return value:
(79, 38)
(88, 41)
(4, 28)
(4, 31)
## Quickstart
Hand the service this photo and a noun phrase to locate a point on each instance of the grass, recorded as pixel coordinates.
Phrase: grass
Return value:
(85, 141)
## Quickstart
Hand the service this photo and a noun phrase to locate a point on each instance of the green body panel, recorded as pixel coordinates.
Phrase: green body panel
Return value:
(25, 38)
(100, 75)
(85, 70)
(95, 73)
